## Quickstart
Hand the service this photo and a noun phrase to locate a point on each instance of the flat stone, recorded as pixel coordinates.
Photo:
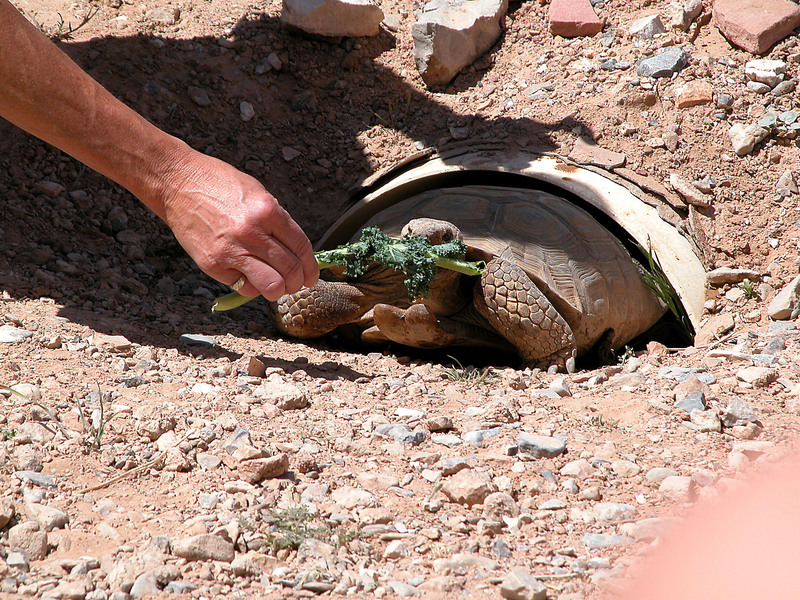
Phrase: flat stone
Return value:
(333, 18)
(659, 474)
(463, 564)
(48, 517)
(39, 479)
(350, 497)
(540, 446)
(755, 25)
(11, 335)
(256, 470)
(689, 192)
(204, 547)
(668, 61)
(585, 151)
(286, 396)
(553, 504)
(757, 376)
(377, 481)
(400, 433)
(723, 275)
(692, 93)
(647, 530)
(705, 421)
(196, 339)
(521, 584)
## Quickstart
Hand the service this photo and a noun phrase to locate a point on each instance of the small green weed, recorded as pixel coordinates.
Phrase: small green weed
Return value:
(601, 422)
(61, 30)
(9, 434)
(295, 524)
(627, 354)
(749, 290)
(95, 425)
(468, 374)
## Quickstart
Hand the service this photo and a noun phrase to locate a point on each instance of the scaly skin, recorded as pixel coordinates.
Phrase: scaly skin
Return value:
(512, 304)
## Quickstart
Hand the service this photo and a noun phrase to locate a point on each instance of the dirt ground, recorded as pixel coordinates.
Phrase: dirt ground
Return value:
(90, 263)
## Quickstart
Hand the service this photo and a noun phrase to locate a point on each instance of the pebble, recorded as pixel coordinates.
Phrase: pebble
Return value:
(580, 468)
(745, 137)
(468, 487)
(659, 474)
(599, 541)
(521, 584)
(613, 512)
(199, 96)
(647, 27)
(678, 487)
(400, 433)
(203, 547)
(29, 537)
(246, 111)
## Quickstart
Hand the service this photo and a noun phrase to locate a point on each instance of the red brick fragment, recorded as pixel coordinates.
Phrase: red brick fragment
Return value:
(573, 18)
(755, 25)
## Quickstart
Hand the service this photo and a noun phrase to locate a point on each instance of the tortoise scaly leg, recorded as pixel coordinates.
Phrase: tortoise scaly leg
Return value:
(521, 313)
(313, 312)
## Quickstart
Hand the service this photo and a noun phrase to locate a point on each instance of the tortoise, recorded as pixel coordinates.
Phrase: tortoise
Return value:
(557, 286)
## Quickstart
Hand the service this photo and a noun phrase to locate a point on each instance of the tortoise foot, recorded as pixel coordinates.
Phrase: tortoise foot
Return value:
(522, 314)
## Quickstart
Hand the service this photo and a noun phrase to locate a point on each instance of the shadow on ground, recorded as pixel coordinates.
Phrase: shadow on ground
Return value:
(305, 145)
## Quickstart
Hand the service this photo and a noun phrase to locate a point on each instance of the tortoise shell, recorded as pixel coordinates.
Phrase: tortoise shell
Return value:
(583, 269)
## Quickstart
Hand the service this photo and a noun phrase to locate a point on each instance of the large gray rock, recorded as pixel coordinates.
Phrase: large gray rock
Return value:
(450, 35)
(333, 18)
(786, 302)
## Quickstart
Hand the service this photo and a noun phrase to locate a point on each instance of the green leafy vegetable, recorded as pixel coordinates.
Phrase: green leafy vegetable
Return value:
(412, 254)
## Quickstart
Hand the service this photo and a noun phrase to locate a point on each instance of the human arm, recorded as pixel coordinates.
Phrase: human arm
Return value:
(225, 220)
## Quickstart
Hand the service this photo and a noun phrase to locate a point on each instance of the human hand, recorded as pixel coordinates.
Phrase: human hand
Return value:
(231, 226)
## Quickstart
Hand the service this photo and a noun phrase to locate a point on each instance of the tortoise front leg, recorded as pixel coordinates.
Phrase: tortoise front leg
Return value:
(521, 313)
(313, 312)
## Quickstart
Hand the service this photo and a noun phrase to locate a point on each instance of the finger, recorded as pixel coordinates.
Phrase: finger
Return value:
(268, 283)
(291, 235)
